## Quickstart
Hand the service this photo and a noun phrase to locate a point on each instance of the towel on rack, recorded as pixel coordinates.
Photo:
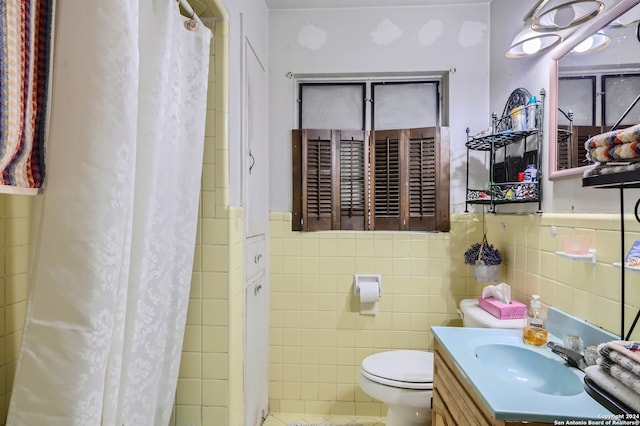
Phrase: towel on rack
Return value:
(624, 353)
(613, 387)
(618, 372)
(24, 89)
(621, 360)
(615, 145)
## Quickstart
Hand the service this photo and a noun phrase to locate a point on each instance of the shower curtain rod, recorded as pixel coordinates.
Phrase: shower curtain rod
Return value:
(187, 7)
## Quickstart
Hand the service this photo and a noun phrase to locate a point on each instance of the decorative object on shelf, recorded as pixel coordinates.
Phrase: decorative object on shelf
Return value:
(520, 125)
(485, 260)
(633, 257)
(506, 192)
(576, 244)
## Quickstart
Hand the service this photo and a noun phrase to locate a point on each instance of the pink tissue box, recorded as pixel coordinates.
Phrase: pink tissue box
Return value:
(513, 310)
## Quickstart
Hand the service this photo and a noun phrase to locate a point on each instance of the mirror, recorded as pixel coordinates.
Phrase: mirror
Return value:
(594, 91)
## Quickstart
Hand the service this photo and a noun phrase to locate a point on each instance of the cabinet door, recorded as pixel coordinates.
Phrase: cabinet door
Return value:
(440, 413)
(256, 349)
(257, 155)
(255, 259)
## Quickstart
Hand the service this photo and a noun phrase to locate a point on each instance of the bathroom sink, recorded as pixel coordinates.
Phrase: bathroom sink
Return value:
(527, 368)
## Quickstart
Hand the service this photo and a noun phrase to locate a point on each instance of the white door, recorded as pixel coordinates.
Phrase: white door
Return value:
(256, 336)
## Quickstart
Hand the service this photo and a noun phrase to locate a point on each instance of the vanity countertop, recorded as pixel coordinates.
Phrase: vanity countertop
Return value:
(508, 401)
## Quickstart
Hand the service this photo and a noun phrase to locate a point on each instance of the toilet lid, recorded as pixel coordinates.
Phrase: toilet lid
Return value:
(402, 368)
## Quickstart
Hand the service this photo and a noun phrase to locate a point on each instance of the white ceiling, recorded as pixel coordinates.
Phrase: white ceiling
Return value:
(332, 4)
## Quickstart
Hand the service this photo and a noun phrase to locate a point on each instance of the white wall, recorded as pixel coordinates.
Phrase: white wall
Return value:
(471, 39)
(376, 41)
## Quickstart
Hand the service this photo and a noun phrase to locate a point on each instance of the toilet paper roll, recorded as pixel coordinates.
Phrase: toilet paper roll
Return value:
(369, 298)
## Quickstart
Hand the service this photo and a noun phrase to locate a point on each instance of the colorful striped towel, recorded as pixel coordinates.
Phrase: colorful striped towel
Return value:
(25, 52)
(614, 145)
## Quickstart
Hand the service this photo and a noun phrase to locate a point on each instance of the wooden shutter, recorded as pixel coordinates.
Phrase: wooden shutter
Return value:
(572, 152)
(410, 182)
(392, 180)
(562, 150)
(387, 182)
(354, 182)
(581, 135)
(428, 179)
(329, 180)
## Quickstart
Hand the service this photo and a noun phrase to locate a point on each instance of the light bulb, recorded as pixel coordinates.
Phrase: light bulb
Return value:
(531, 46)
(584, 45)
(564, 16)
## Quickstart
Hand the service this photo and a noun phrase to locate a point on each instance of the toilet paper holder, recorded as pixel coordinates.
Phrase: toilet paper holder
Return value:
(360, 279)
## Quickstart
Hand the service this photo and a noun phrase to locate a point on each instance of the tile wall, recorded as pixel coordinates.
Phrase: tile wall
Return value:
(210, 383)
(15, 222)
(318, 338)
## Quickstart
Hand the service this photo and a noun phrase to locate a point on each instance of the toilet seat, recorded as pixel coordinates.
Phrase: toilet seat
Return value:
(407, 369)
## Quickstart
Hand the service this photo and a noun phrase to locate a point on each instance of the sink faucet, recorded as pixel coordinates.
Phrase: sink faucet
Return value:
(573, 358)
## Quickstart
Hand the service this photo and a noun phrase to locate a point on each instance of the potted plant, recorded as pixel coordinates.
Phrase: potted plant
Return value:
(485, 261)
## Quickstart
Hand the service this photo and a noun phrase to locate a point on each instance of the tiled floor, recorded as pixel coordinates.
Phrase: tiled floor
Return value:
(280, 419)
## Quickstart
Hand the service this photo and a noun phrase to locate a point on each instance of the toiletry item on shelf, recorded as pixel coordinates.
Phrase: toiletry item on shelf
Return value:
(535, 331)
(531, 113)
(519, 118)
(531, 173)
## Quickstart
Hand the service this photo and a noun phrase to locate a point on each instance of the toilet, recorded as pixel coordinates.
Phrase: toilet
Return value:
(403, 379)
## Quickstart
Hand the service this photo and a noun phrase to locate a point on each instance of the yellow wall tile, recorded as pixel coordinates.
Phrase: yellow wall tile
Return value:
(191, 365)
(215, 366)
(316, 322)
(214, 392)
(188, 392)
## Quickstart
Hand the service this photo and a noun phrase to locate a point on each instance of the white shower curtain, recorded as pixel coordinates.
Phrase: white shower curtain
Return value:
(115, 227)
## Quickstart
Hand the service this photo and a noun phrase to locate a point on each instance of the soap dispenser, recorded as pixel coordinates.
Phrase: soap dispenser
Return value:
(534, 332)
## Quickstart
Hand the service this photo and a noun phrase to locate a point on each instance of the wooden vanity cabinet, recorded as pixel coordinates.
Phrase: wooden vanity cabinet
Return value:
(455, 403)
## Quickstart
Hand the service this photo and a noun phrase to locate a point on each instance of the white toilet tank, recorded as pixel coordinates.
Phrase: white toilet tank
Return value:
(474, 316)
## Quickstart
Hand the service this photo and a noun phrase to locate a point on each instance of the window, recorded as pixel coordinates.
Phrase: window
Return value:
(597, 102)
(576, 95)
(619, 104)
(399, 105)
(392, 177)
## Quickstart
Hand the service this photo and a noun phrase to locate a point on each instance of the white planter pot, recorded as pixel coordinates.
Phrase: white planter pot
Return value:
(486, 273)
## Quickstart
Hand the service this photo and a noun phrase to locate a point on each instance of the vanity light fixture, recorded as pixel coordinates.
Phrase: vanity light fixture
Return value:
(558, 15)
(528, 42)
(630, 17)
(592, 44)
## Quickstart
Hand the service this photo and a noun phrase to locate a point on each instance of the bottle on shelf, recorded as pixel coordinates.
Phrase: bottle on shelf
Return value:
(534, 332)
(531, 173)
(531, 113)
